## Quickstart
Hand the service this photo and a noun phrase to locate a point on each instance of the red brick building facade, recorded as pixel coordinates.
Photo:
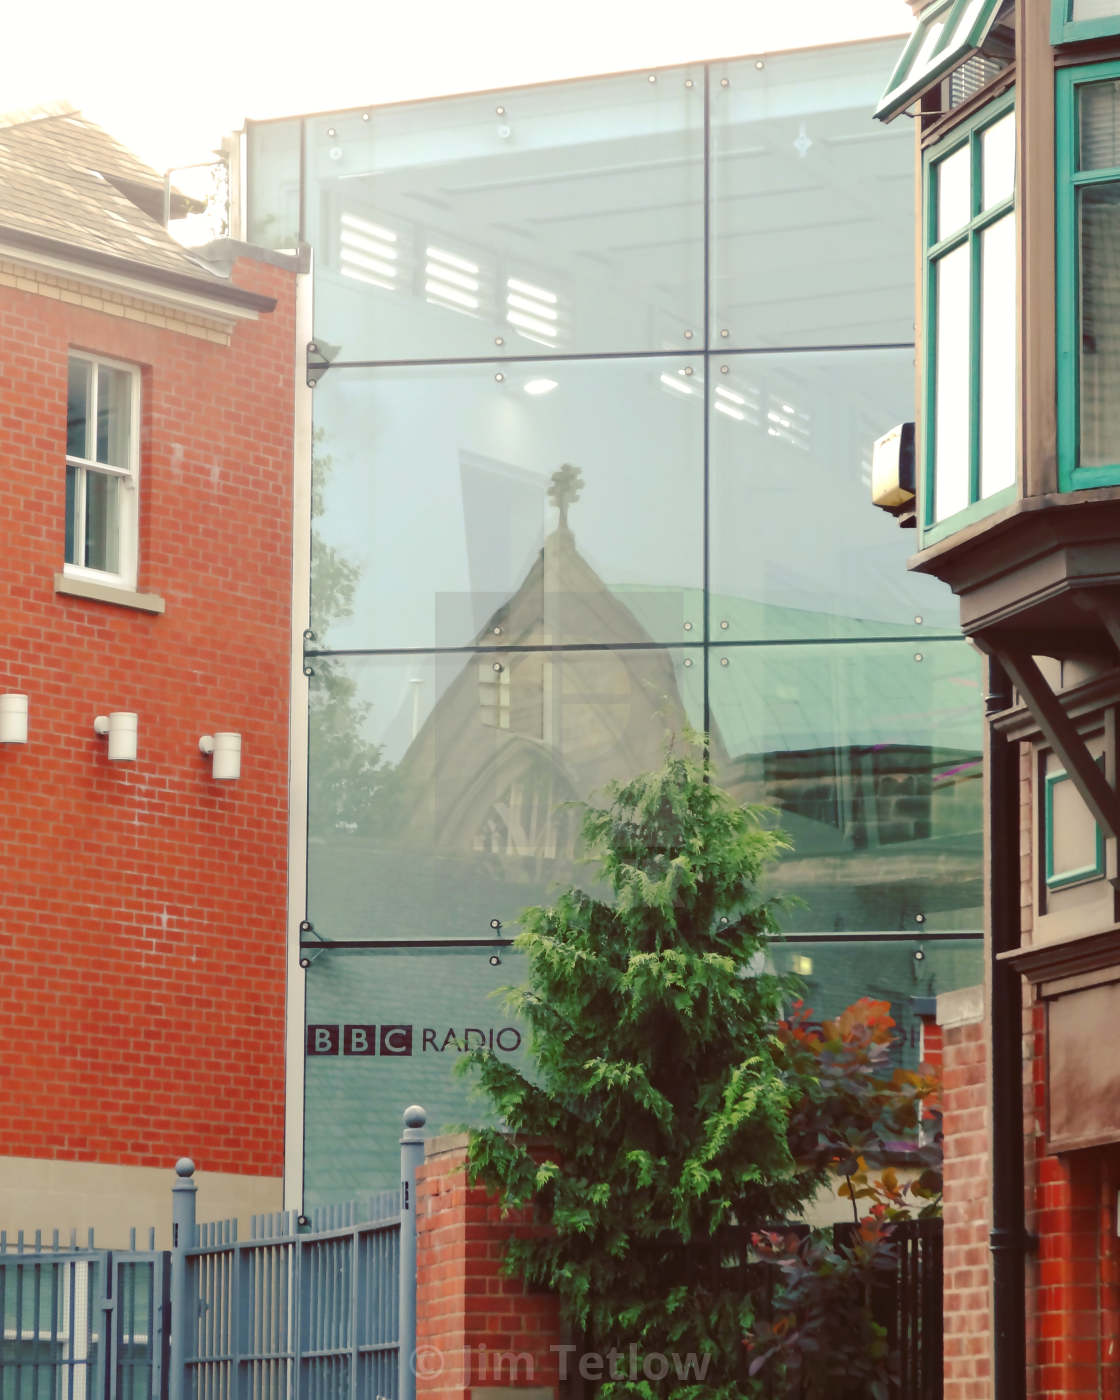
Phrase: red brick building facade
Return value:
(146, 570)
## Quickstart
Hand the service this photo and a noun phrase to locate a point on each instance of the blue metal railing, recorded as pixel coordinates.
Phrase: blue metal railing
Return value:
(307, 1308)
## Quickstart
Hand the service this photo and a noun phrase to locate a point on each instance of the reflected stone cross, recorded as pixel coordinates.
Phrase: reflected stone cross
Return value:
(567, 483)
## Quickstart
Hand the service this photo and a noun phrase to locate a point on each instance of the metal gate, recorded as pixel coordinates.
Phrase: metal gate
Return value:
(307, 1308)
(82, 1323)
(307, 1312)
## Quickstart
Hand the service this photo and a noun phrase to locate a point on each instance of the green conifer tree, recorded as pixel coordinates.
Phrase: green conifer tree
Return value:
(657, 1083)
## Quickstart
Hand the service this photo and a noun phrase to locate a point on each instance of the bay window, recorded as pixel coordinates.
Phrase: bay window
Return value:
(970, 433)
(1088, 292)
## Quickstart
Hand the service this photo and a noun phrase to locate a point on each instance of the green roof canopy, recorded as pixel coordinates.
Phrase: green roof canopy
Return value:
(945, 35)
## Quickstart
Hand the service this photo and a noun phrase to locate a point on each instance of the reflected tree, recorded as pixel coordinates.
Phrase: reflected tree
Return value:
(347, 770)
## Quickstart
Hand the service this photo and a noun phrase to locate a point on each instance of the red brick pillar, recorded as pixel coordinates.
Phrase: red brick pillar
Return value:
(968, 1340)
(480, 1334)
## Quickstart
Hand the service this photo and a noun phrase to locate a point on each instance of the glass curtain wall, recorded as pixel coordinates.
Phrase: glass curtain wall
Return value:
(604, 361)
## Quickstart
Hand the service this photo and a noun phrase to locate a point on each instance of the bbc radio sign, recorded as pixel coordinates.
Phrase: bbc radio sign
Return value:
(387, 1042)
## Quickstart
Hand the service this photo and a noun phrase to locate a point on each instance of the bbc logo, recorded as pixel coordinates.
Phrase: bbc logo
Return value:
(359, 1040)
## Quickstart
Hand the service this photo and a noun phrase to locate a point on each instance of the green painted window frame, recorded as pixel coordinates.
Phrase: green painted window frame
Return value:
(1064, 30)
(1060, 879)
(1068, 180)
(968, 133)
(929, 55)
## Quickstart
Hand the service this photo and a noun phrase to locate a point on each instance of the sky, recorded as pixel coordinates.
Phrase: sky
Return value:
(170, 81)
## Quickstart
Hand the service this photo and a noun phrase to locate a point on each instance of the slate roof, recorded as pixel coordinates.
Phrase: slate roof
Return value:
(66, 182)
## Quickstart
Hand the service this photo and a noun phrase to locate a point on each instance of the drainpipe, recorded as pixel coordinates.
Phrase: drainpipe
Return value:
(1008, 1240)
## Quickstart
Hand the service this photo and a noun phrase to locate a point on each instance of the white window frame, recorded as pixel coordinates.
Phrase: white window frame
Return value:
(128, 496)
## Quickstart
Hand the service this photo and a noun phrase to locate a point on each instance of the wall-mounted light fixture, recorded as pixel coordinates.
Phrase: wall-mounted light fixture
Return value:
(13, 719)
(225, 749)
(120, 728)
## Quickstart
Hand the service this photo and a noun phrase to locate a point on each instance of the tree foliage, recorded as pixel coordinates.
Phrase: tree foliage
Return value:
(657, 1073)
(668, 1103)
(821, 1338)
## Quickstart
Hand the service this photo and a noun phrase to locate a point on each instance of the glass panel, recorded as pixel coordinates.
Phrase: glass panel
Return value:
(997, 162)
(1099, 209)
(73, 525)
(78, 382)
(952, 481)
(998, 386)
(114, 415)
(795, 552)
(871, 756)
(511, 222)
(801, 251)
(412, 1009)
(1098, 122)
(836, 973)
(438, 783)
(954, 191)
(272, 156)
(1094, 9)
(102, 522)
(556, 502)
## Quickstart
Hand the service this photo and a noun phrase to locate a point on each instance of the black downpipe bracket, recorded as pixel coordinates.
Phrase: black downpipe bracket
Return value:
(1008, 1240)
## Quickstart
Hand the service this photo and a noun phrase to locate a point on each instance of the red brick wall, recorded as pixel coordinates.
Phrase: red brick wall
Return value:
(476, 1328)
(143, 930)
(966, 1211)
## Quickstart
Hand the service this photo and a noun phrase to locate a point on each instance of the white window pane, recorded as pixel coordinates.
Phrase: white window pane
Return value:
(997, 162)
(1098, 124)
(78, 383)
(114, 414)
(1099, 210)
(967, 18)
(997, 356)
(1095, 9)
(952, 433)
(954, 187)
(102, 532)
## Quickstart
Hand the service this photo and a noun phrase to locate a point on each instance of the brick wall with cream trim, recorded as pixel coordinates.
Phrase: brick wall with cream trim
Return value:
(142, 999)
